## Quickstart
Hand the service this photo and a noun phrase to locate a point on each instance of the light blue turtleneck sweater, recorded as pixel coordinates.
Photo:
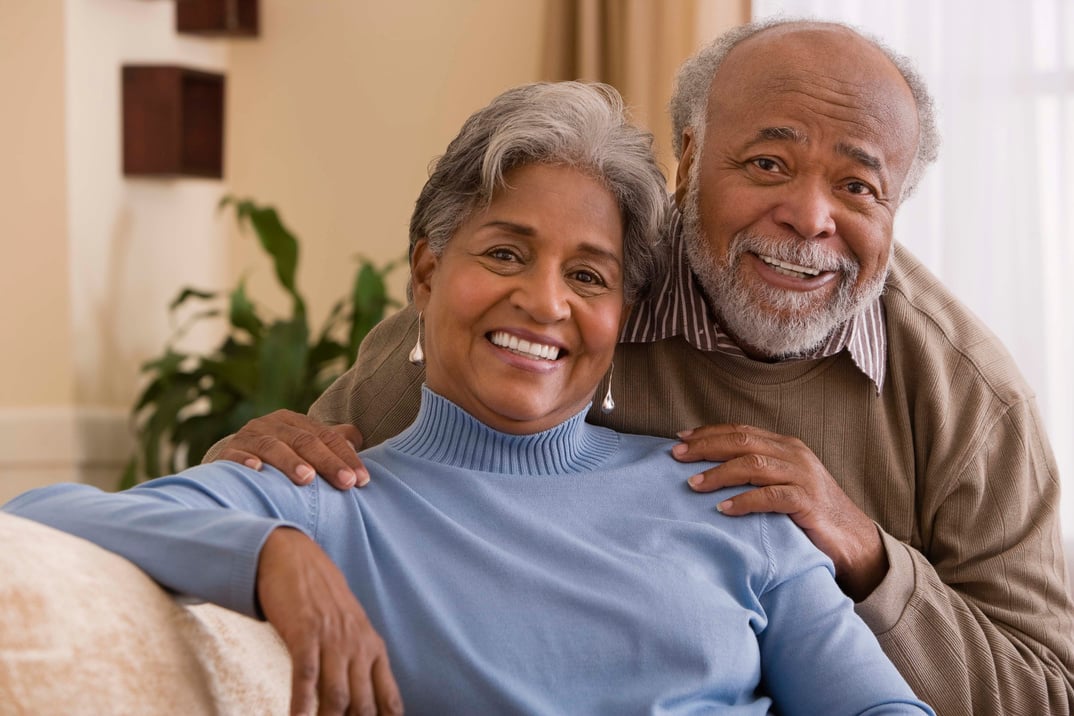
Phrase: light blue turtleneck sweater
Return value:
(571, 571)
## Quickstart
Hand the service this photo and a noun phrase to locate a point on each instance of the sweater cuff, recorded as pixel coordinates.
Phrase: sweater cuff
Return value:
(882, 609)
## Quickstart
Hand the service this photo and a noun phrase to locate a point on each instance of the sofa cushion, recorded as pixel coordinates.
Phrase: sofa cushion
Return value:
(83, 631)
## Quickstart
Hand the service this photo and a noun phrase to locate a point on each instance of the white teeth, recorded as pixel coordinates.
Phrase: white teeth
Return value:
(524, 347)
(788, 268)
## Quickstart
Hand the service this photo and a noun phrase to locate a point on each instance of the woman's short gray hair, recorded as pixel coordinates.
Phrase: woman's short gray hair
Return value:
(575, 124)
(689, 101)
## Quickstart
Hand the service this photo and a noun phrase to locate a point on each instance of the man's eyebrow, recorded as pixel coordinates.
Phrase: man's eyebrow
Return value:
(861, 156)
(790, 134)
(784, 134)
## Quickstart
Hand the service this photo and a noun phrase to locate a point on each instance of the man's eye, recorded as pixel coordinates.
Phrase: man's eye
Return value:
(766, 165)
(859, 187)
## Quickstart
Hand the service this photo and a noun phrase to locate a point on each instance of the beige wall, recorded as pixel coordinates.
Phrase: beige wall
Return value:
(35, 363)
(333, 115)
(336, 111)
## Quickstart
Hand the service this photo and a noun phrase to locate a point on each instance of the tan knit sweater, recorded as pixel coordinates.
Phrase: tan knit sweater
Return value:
(950, 459)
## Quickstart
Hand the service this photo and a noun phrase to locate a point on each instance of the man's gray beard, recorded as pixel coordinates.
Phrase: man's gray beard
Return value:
(763, 319)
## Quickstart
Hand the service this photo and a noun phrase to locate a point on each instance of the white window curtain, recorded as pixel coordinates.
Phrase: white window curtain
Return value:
(994, 218)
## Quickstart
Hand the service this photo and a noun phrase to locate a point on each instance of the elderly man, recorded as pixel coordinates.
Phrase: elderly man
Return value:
(831, 370)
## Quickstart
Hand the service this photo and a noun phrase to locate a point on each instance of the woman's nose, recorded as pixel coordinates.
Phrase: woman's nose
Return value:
(807, 208)
(543, 295)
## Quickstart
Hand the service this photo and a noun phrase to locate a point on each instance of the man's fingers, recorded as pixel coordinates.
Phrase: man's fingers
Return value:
(751, 469)
(350, 433)
(323, 451)
(785, 499)
(724, 442)
(242, 457)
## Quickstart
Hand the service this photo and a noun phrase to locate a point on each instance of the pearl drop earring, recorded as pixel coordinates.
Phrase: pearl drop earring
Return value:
(608, 404)
(417, 355)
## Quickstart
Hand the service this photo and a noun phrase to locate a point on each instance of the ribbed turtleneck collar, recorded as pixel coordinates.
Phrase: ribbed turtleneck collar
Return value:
(445, 433)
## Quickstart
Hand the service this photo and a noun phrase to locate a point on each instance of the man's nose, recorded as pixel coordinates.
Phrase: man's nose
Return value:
(807, 208)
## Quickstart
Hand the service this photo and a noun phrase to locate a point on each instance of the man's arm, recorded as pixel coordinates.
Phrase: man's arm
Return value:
(986, 601)
(373, 401)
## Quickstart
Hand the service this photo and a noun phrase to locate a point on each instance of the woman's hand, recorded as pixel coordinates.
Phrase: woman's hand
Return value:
(339, 662)
(299, 447)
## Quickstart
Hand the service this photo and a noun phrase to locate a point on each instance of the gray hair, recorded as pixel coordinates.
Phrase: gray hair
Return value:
(689, 101)
(575, 124)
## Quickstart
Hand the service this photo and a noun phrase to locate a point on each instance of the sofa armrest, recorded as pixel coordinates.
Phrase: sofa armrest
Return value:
(84, 631)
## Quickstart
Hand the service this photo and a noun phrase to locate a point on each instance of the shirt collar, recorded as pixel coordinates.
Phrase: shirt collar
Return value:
(677, 307)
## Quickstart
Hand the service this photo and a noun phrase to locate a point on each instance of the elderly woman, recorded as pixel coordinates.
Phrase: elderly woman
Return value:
(489, 552)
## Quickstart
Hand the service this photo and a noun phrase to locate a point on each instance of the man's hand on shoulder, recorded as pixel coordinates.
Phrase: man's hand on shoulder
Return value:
(299, 447)
(789, 479)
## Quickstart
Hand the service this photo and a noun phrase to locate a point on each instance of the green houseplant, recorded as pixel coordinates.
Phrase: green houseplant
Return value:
(192, 400)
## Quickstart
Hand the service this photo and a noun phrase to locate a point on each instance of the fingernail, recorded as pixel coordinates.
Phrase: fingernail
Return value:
(253, 463)
(346, 477)
(724, 506)
(678, 450)
(305, 473)
(363, 478)
(355, 449)
(683, 434)
(696, 480)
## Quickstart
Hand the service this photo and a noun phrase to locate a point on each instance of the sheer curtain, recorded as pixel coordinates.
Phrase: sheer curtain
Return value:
(994, 219)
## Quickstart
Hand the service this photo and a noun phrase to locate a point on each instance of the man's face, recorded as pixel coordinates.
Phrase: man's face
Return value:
(789, 197)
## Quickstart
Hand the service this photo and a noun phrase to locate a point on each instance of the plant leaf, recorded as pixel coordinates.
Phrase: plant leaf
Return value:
(282, 247)
(188, 293)
(282, 357)
(242, 313)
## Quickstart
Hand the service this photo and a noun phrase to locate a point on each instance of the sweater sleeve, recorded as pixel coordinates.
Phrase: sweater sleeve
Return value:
(981, 617)
(817, 655)
(198, 533)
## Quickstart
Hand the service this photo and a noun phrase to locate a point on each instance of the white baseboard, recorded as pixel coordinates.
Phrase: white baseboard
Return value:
(42, 445)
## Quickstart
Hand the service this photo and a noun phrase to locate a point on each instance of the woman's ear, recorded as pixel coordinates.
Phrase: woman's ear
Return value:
(423, 265)
(682, 174)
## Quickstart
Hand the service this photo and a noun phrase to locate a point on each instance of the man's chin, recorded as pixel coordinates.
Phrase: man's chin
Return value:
(774, 332)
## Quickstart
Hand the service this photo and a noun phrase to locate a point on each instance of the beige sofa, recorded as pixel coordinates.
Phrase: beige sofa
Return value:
(83, 631)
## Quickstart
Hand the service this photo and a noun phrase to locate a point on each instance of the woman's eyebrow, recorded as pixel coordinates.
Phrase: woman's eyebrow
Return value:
(510, 227)
(526, 230)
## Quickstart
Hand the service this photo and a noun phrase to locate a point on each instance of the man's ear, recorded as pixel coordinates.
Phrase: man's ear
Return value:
(423, 265)
(682, 174)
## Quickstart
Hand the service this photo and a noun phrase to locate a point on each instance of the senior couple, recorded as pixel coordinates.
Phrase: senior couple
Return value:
(506, 556)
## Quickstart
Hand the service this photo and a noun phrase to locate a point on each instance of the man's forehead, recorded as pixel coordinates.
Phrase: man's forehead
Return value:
(786, 80)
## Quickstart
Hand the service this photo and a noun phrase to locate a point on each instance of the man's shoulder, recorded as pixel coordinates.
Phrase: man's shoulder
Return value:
(929, 328)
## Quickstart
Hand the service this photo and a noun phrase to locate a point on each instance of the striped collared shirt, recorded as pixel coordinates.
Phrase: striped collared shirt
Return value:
(678, 308)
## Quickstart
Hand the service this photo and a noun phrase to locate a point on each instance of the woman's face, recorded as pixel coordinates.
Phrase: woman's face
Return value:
(522, 310)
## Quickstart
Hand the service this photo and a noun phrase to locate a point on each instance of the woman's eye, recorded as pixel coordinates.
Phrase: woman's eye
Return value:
(588, 277)
(502, 254)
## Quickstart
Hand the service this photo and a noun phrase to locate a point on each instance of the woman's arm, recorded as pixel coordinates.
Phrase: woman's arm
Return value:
(817, 655)
(222, 533)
